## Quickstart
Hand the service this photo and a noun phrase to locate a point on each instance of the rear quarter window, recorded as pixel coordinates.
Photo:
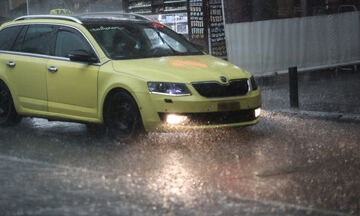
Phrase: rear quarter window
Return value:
(8, 36)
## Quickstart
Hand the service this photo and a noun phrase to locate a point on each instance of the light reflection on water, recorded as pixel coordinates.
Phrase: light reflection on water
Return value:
(173, 177)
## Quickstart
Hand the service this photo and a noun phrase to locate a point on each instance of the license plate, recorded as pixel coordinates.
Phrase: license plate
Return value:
(228, 106)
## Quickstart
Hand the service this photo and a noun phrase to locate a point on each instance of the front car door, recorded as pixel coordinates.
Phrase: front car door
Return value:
(72, 86)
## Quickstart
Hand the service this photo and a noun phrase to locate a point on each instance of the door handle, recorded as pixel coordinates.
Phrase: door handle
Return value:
(11, 64)
(52, 69)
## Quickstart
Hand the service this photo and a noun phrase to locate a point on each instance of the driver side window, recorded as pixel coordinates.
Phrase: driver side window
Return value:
(68, 41)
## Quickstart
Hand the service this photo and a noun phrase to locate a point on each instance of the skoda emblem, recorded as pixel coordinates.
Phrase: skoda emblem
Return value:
(223, 79)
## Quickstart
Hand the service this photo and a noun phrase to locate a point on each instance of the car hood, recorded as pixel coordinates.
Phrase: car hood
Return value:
(184, 69)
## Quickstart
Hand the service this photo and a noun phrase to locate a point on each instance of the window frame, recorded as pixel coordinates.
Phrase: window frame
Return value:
(26, 26)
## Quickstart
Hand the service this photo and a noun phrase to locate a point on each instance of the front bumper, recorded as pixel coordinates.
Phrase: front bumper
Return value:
(211, 120)
(202, 112)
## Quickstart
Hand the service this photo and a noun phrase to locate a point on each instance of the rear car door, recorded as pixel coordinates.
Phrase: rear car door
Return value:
(30, 54)
(72, 86)
(8, 36)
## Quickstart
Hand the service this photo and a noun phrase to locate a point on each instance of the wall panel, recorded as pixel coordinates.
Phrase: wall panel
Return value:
(270, 46)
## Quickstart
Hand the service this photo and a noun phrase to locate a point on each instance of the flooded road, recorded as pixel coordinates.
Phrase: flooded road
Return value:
(285, 165)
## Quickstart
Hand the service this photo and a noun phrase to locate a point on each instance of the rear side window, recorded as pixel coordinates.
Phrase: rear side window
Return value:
(19, 40)
(8, 36)
(38, 39)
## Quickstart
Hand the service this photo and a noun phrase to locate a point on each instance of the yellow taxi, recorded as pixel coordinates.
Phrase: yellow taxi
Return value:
(122, 71)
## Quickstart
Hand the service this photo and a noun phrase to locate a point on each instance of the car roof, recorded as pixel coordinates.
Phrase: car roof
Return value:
(112, 16)
(92, 17)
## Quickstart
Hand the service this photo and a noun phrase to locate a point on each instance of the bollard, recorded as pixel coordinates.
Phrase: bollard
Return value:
(293, 85)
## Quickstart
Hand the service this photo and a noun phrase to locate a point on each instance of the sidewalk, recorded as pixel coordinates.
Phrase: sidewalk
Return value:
(326, 93)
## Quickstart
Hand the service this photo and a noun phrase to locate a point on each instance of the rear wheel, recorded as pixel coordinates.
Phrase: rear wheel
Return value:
(8, 115)
(122, 117)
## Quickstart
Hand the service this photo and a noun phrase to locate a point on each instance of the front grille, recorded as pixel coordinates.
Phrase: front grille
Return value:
(217, 118)
(234, 88)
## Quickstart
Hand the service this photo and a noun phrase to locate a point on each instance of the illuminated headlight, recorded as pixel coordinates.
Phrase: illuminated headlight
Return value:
(171, 89)
(257, 112)
(175, 119)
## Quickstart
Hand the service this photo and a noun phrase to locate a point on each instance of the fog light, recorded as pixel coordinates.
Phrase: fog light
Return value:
(175, 119)
(257, 112)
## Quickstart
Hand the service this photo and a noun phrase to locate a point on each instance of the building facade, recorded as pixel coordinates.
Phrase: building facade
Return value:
(256, 10)
(10, 9)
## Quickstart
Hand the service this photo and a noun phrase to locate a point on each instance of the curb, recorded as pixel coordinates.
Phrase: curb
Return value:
(334, 116)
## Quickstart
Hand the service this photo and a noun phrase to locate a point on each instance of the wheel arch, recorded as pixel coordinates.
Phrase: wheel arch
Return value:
(12, 92)
(12, 117)
(5, 82)
(111, 90)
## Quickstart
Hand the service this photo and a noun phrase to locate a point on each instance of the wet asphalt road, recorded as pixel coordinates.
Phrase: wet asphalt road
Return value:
(325, 91)
(285, 165)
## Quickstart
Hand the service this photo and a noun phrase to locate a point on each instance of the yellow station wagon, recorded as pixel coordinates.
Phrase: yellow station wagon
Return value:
(121, 71)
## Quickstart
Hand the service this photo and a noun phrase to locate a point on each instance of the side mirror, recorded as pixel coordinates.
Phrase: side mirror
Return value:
(82, 56)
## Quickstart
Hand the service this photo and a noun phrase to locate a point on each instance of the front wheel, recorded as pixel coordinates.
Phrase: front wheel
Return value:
(121, 116)
(8, 114)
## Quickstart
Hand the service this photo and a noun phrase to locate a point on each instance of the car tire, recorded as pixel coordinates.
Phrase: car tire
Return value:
(8, 114)
(122, 116)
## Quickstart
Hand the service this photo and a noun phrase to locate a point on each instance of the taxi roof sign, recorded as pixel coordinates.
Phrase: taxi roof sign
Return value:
(61, 12)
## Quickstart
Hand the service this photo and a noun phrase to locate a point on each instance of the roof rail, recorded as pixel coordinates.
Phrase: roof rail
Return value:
(117, 14)
(139, 16)
(69, 18)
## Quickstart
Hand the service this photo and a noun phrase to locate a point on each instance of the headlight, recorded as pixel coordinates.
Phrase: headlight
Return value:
(254, 86)
(257, 112)
(171, 89)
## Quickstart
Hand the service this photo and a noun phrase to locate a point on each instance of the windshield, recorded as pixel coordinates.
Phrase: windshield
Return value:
(133, 41)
